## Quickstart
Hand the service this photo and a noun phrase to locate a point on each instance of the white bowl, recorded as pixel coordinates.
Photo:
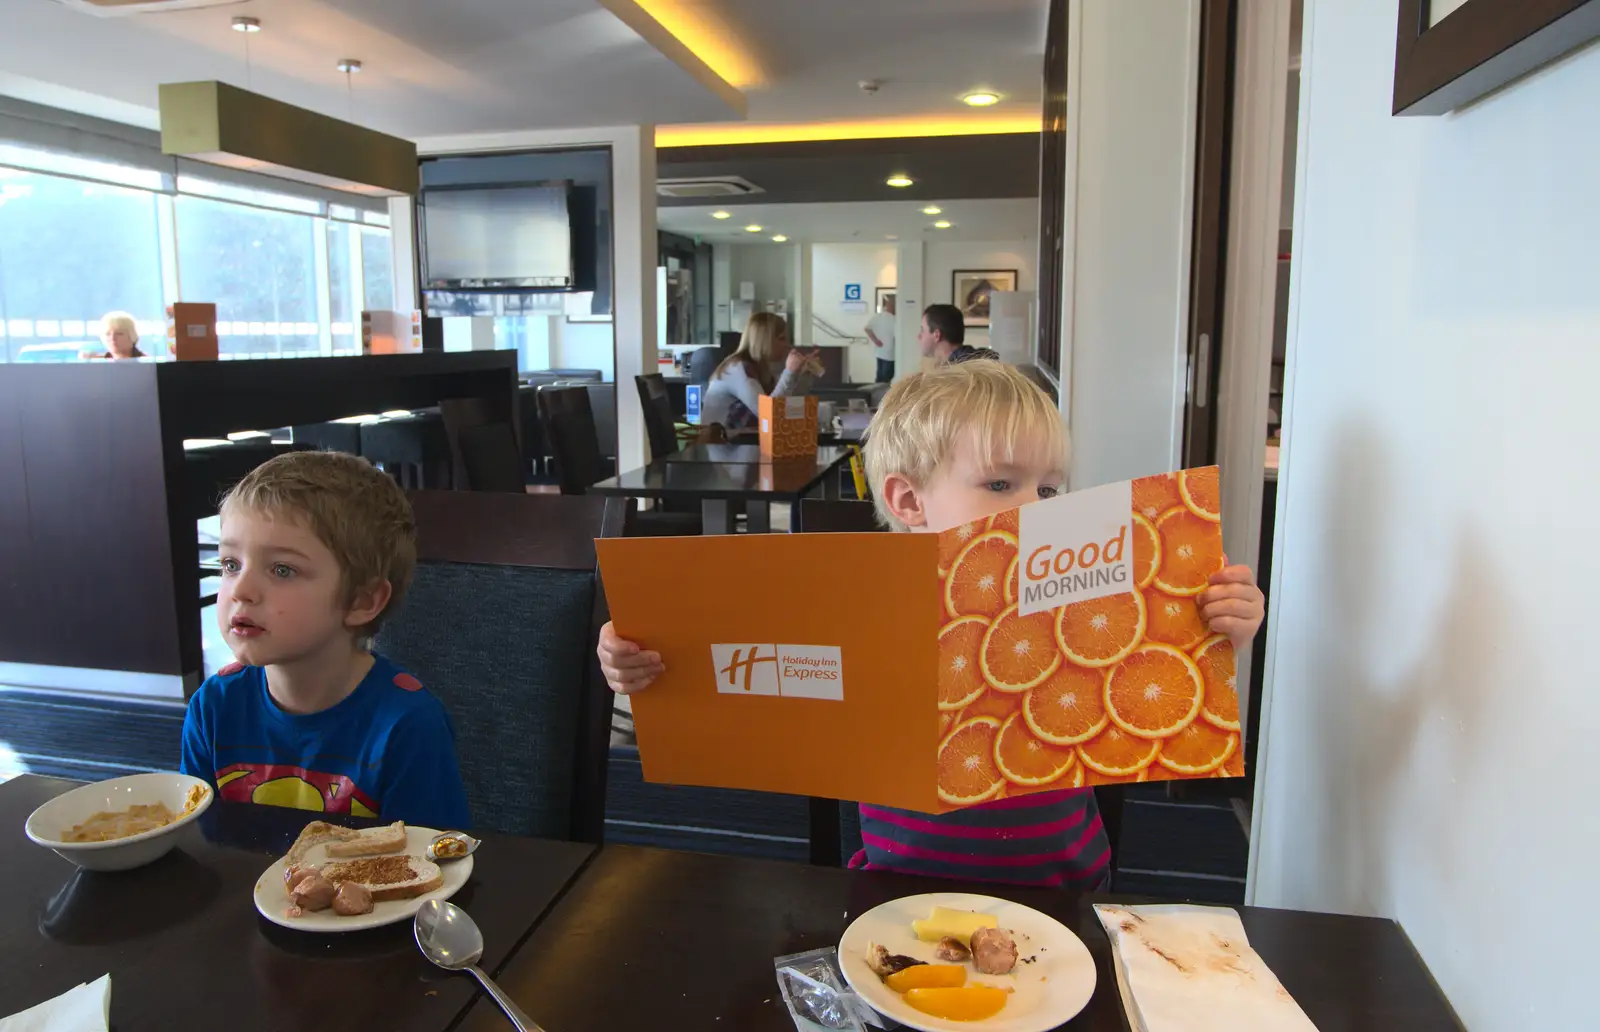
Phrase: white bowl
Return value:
(55, 818)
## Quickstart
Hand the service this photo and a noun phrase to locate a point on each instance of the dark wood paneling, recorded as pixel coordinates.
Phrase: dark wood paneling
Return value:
(1052, 189)
(1480, 47)
(547, 530)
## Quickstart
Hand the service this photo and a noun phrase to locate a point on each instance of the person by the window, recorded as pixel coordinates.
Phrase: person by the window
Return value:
(943, 336)
(733, 396)
(120, 335)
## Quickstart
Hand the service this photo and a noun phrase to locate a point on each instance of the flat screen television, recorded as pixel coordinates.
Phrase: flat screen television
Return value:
(499, 238)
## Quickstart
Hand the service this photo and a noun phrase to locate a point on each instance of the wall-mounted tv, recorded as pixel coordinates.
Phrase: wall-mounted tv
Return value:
(498, 238)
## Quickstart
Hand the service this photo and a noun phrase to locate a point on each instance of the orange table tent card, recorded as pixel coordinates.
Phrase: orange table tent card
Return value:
(788, 427)
(1054, 646)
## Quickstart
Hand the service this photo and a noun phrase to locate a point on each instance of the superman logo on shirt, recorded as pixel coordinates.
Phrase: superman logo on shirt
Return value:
(280, 784)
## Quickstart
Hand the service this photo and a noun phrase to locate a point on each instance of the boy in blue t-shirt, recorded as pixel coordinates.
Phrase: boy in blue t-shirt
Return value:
(316, 548)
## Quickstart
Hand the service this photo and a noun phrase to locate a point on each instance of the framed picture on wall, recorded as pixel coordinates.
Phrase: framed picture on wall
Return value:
(970, 290)
(1449, 53)
(879, 295)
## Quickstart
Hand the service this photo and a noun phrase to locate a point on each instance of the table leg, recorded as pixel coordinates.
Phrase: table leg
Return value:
(830, 485)
(758, 517)
(715, 516)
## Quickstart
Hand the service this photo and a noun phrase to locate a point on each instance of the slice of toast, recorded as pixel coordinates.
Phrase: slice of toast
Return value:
(387, 877)
(371, 842)
(313, 834)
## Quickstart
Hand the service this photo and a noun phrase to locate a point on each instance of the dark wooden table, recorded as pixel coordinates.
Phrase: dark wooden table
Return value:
(187, 950)
(657, 939)
(716, 484)
(746, 454)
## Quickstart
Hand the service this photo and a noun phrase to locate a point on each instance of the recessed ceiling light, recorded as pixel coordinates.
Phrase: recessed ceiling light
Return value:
(244, 24)
(932, 209)
(779, 238)
(892, 236)
(981, 98)
(348, 65)
(721, 215)
(752, 228)
(941, 224)
(899, 179)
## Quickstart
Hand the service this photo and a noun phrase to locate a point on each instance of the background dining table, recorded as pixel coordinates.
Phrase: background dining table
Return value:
(186, 949)
(715, 483)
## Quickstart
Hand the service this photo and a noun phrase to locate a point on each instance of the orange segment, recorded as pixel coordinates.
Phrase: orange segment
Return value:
(1173, 621)
(1024, 760)
(960, 679)
(976, 584)
(1197, 749)
(1218, 669)
(1009, 521)
(1191, 551)
(1153, 496)
(998, 705)
(1117, 753)
(967, 1003)
(946, 719)
(1201, 490)
(1019, 651)
(952, 541)
(1101, 631)
(1154, 693)
(1146, 551)
(1069, 707)
(1093, 778)
(1233, 766)
(1011, 581)
(967, 772)
(927, 976)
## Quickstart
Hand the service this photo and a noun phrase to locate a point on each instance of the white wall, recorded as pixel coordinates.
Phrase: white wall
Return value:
(1129, 197)
(768, 266)
(941, 258)
(833, 266)
(582, 345)
(1432, 703)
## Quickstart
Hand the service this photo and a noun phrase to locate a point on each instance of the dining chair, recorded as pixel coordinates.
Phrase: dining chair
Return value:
(495, 461)
(501, 623)
(702, 363)
(659, 422)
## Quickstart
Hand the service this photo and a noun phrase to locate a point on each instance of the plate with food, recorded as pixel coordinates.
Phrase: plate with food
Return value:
(951, 962)
(336, 879)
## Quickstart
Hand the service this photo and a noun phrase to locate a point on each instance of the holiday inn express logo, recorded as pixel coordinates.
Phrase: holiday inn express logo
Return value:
(790, 671)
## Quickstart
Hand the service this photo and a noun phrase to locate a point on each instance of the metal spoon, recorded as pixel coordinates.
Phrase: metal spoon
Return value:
(450, 939)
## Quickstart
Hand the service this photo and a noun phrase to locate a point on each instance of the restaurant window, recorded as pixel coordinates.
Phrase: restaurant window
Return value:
(377, 269)
(259, 267)
(70, 251)
(344, 287)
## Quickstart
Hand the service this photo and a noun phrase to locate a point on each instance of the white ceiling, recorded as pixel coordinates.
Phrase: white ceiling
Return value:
(438, 67)
(1009, 219)
(431, 67)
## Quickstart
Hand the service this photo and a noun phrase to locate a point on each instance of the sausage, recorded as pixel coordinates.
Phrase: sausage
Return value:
(994, 952)
(352, 899)
(952, 951)
(312, 892)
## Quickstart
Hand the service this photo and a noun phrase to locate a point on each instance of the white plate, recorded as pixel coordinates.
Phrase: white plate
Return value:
(272, 901)
(1048, 992)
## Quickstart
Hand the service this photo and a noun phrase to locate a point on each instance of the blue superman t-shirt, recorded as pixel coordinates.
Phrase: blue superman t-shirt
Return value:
(387, 750)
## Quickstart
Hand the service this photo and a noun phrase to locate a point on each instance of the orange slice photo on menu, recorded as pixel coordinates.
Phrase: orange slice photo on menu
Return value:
(1024, 760)
(1154, 693)
(1069, 707)
(1220, 707)
(1094, 779)
(992, 704)
(1146, 551)
(1197, 749)
(1011, 581)
(1191, 551)
(1019, 651)
(1009, 521)
(1153, 496)
(1173, 621)
(1117, 753)
(960, 679)
(1233, 766)
(952, 541)
(1101, 631)
(1201, 490)
(976, 583)
(967, 771)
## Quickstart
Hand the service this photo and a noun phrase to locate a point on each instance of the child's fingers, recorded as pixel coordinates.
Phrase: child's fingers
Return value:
(1234, 575)
(1231, 608)
(630, 660)
(1238, 631)
(1218, 592)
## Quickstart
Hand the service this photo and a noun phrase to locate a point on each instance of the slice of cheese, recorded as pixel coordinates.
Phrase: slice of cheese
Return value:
(957, 924)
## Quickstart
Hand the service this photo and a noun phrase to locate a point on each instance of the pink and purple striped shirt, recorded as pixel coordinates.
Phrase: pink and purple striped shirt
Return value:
(1052, 839)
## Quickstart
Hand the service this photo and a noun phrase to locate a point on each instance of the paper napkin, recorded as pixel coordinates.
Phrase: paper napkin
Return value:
(1191, 969)
(84, 1009)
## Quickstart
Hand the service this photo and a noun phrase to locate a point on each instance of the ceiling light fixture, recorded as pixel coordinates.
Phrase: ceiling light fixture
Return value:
(892, 236)
(779, 238)
(932, 209)
(752, 228)
(722, 215)
(899, 179)
(244, 24)
(348, 65)
(981, 98)
(941, 224)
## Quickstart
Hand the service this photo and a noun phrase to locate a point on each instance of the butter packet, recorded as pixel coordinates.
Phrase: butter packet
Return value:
(818, 999)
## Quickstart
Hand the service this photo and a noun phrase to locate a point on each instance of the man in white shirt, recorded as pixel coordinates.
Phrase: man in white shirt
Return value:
(880, 330)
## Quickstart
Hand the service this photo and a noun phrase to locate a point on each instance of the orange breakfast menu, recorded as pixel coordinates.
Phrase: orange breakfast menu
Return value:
(1058, 645)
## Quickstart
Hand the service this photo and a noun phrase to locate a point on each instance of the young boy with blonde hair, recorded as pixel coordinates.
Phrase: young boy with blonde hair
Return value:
(947, 447)
(316, 549)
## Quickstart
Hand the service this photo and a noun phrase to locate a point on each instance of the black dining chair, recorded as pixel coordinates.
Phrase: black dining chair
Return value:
(659, 422)
(501, 623)
(485, 448)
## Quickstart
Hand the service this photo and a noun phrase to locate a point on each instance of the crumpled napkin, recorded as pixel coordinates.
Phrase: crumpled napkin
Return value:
(1191, 969)
(84, 1009)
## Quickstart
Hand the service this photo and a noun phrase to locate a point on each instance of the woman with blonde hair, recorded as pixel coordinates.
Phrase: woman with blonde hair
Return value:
(732, 398)
(120, 334)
